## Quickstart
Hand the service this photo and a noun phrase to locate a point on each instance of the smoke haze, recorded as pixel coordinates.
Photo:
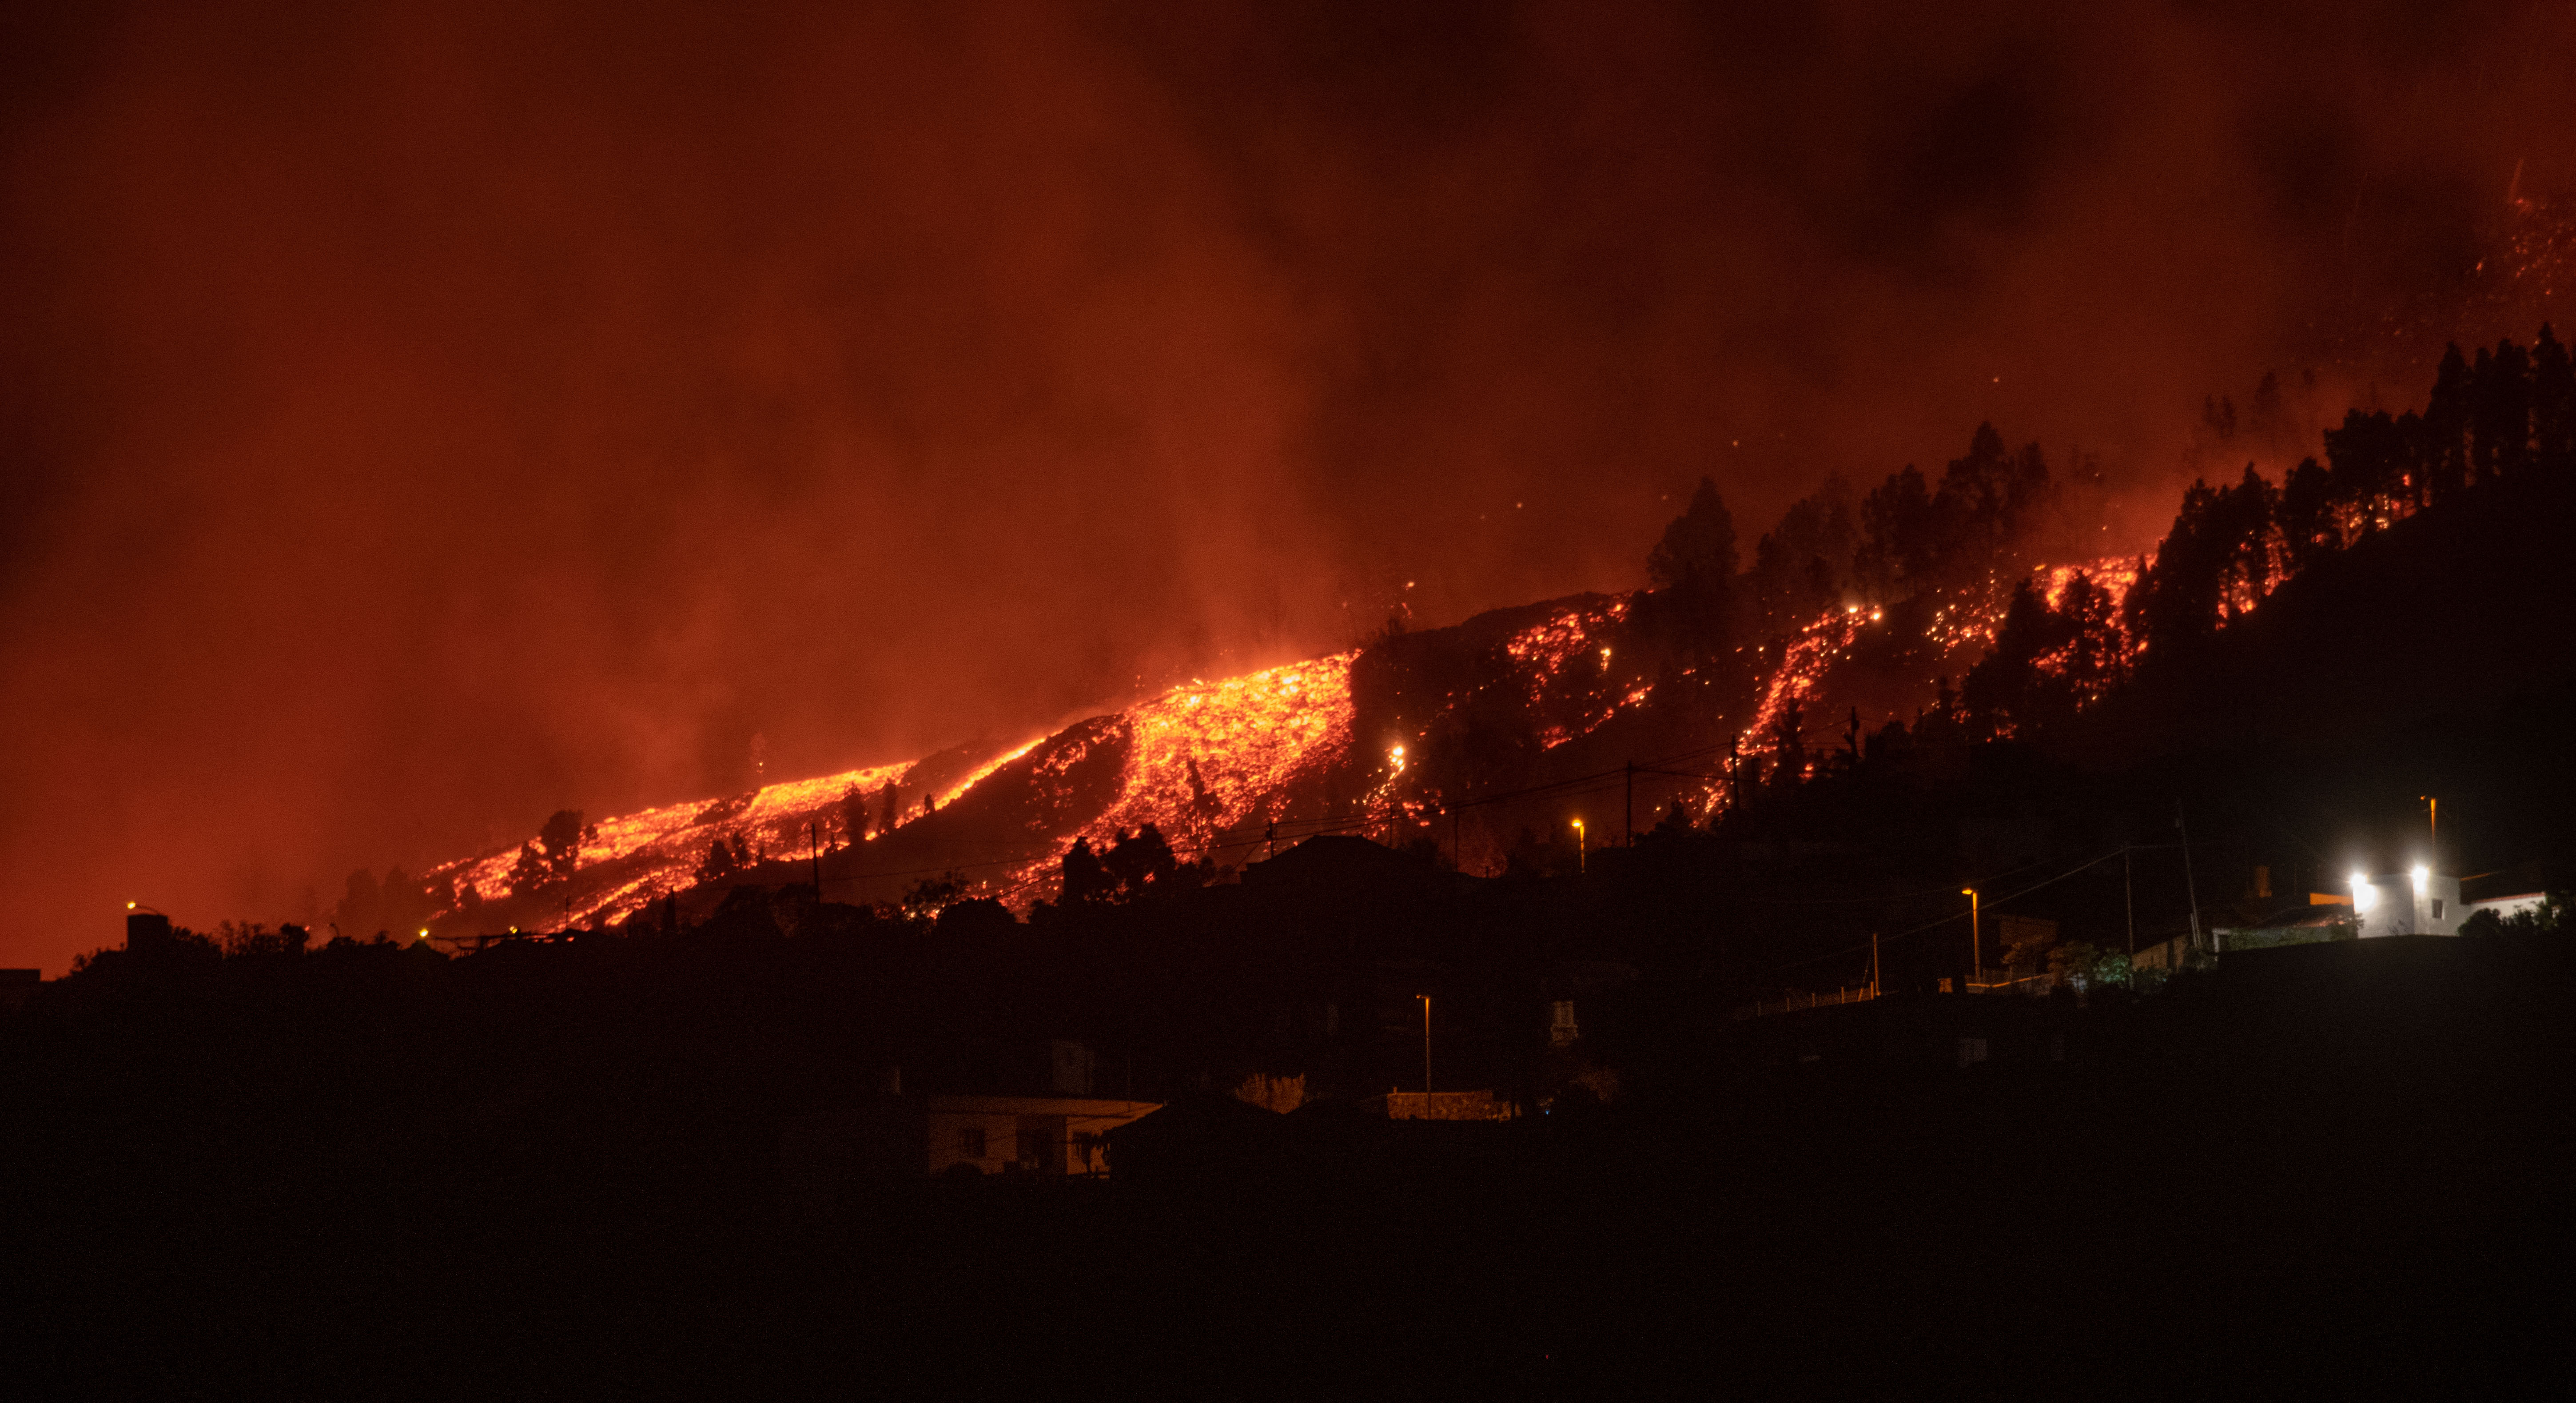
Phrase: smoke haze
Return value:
(421, 418)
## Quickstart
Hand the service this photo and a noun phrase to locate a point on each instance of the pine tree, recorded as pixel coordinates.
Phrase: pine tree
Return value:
(2446, 422)
(2307, 517)
(1894, 560)
(854, 815)
(559, 844)
(2500, 412)
(1084, 880)
(2553, 405)
(1692, 574)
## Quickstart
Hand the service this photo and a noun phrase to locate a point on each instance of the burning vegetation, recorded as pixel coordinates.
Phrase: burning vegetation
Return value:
(1974, 605)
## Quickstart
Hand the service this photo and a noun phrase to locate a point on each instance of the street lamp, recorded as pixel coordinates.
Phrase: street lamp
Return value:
(1579, 858)
(1976, 944)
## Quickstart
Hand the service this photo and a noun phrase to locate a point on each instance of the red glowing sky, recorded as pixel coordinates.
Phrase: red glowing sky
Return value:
(422, 417)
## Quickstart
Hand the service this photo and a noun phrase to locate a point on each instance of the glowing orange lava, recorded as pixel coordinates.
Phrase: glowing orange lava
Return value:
(1207, 757)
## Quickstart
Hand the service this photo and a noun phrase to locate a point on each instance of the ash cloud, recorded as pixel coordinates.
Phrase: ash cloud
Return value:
(422, 417)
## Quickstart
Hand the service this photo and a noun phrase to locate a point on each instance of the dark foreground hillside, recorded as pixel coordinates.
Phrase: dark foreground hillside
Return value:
(2317, 1168)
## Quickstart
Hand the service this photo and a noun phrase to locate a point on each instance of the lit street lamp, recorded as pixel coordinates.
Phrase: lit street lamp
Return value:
(1578, 847)
(1976, 945)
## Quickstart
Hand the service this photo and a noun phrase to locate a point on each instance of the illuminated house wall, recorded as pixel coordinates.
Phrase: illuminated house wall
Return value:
(2408, 903)
(1024, 1134)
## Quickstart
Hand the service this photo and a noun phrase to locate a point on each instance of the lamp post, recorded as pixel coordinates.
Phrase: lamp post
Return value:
(2433, 822)
(1976, 943)
(1579, 858)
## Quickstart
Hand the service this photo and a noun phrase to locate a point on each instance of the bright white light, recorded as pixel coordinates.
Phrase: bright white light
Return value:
(2423, 876)
(2361, 893)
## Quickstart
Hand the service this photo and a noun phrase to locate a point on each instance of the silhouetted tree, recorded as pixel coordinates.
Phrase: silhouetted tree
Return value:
(1141, 862)
(1691, 572)
(2218, 415)
(2216, 561)
(2553, 405)
(1802, 566)
(1789, 744)
(1698, 547)
(2442, 435)
(2500, 412)
(854, 815)
(559, 844)
(889, 809)
(2370, 459)
(528, 874)
(2048, 662)
(1084, 880)
(2005, 692)
(2309, 528)
(1986, 501)
(2096, 650)
(1895, 555)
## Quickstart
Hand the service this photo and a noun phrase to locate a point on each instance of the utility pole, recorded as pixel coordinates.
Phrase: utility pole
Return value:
(1426, 1056)
(2129, 899)
(1628, 808)
(1873, 964)
(814, 841)
(2189, 889)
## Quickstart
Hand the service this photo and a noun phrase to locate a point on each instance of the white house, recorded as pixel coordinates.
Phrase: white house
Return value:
(1023, 1134)
(2415, 902)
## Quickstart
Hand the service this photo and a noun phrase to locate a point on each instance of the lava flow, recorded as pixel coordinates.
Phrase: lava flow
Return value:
(1214, 766)
(1209, 758)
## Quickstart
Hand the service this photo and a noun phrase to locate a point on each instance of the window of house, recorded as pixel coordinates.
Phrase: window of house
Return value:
(2437, 908)
(970, 1141)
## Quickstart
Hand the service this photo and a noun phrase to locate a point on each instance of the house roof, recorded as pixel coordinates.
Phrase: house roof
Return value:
(2306, 918)
(1335, 859)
